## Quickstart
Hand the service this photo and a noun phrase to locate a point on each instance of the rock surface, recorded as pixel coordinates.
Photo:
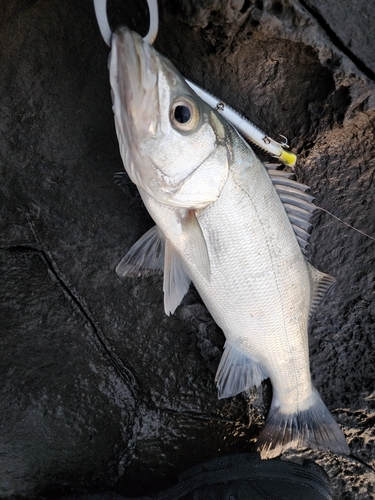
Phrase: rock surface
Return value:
(350, 25)
(100, 390)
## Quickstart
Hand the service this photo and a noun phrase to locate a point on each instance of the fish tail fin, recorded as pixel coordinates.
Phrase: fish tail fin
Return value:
(312, 427)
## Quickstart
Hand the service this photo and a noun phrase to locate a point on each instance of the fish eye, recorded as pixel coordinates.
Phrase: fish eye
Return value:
(184, 114)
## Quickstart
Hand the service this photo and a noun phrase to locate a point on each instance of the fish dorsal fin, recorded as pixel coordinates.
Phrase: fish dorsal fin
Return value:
(237, 372)
(145, 257)
(176, 281)
(197, 247)
(297, 203)
(321, 284)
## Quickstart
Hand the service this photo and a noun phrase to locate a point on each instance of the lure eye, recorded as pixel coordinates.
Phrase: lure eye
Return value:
(184, 114)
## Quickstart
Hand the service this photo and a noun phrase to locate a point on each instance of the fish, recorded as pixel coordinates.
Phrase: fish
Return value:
(231, 226)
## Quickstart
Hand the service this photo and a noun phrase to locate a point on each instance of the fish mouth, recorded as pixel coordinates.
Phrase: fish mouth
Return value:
(134, 78)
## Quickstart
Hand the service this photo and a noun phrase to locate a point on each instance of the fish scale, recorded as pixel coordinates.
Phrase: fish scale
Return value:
(221, 224)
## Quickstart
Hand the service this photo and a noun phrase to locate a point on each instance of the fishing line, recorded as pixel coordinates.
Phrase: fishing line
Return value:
(346, 223)
(317, 207)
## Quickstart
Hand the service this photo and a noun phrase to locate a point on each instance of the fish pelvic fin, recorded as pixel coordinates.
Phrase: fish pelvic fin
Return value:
(313, 427)
(237, 372)
(145, 257)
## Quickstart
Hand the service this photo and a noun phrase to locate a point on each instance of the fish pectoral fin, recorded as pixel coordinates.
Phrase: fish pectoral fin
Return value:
(145, 257)
(176, 281)
(237, 372)
(151, 254)
(196, 246)
(321, 284)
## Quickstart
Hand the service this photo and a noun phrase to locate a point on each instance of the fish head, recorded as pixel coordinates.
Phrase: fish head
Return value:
(173, 145)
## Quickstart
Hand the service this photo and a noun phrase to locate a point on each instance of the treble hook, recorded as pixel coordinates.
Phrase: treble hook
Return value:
(285, 143)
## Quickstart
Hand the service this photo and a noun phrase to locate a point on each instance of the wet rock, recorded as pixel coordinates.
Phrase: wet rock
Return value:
(60, 386)
(99, 388)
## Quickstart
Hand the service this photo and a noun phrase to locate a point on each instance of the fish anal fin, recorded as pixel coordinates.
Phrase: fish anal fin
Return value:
(237, 372)
(197, 251)
(145, 257)
(321, 284)
(176, 282)
(312, 427)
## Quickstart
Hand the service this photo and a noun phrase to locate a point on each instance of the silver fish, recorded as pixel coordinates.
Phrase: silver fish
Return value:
(232, 228)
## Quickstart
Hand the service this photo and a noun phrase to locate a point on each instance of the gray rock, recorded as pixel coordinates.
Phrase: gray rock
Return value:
(99, 388)
(350, 25)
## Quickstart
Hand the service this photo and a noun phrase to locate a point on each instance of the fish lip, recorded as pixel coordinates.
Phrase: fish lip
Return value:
(133, 72)
(139, 57)
(134, 77)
